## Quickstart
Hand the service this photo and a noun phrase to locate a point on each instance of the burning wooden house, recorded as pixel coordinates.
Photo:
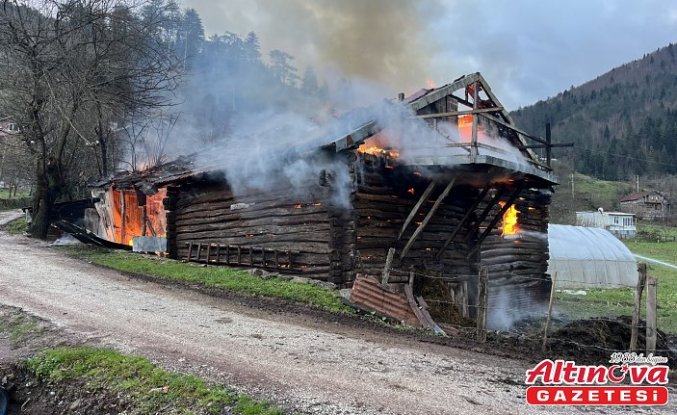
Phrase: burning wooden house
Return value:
(475, 196)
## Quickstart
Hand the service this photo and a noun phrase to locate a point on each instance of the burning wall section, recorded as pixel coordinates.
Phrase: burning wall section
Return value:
(126, 213)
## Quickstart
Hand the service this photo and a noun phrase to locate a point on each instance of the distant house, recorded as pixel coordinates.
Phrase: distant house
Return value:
(647, 205)
(622, 225)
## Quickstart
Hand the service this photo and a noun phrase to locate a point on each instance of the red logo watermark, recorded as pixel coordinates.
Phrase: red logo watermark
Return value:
(630, 379)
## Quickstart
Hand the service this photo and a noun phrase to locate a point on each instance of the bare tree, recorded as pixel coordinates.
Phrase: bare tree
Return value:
(68, 70)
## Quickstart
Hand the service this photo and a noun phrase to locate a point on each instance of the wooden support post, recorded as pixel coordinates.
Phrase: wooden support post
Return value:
(651, 334)
(227, 254)
(218, 253)
(389, 264)
(190, 250)
(499, 193)
(464, 299)
(277, 259)
(263, 257)
(239, 255)
(209, 252)
(547, 320)
(417, 206)
(498, 217)
(461, 224)
(251, 257)
(634, 329)
(475, 119)
(427, 218)
(482, 306)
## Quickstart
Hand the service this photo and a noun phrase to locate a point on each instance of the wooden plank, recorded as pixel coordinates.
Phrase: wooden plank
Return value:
(199, 251)
(457, 113)
(651, 334)
(485, 212)
(634, 329)
(547, 319)
(427, 218)
(417, 206)
(386, 269)
(496, 218)
(461, 224)
(190, 251)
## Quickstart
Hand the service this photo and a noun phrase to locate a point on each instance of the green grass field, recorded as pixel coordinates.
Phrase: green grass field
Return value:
(4, 194)
(225, 278)
(620, 301)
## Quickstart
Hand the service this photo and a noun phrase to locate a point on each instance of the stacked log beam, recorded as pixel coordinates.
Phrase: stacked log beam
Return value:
(517, 264)
(211, 213)
(382, 203)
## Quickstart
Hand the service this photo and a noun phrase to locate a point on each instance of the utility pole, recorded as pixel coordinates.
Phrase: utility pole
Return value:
(573, 193)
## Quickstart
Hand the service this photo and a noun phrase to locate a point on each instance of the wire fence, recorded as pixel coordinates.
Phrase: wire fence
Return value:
(557, 316)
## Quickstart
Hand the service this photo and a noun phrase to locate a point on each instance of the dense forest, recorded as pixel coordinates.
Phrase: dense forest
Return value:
(623, 123)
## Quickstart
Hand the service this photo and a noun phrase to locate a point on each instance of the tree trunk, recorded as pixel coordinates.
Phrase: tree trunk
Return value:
(48, 188)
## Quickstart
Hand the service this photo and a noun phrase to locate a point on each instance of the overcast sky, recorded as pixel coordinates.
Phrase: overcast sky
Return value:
(526, 49)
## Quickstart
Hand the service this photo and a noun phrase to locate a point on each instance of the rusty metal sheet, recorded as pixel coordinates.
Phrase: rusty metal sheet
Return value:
(369, 294)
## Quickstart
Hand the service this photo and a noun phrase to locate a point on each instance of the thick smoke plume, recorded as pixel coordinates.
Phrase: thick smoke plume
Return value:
(374, 39)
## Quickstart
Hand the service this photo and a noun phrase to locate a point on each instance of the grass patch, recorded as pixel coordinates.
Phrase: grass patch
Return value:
(596, 303)
(4, 194)
(220, 277)
(620, 301)
(151, 389)
(16, 227)
(19, 327)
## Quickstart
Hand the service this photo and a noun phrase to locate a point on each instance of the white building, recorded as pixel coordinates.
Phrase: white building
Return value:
(622, 225)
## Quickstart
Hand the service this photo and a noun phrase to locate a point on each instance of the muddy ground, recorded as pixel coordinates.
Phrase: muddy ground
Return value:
(308, 362)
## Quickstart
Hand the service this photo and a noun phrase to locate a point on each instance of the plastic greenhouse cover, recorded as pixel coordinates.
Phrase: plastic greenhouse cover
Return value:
(578, 242)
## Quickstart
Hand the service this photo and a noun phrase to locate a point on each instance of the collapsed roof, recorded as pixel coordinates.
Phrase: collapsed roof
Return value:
(495, 149)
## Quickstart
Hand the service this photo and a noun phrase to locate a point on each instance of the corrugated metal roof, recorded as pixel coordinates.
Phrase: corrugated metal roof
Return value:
(369, 294)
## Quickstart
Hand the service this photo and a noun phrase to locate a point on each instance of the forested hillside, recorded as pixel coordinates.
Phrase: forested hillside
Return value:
(622, 123)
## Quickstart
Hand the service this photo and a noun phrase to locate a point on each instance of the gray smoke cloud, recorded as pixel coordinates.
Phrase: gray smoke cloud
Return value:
(527, 50)
(375, 39)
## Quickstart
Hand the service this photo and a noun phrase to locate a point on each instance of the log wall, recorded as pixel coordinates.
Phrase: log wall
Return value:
(517, 264)
(382, 203)
(211, 213)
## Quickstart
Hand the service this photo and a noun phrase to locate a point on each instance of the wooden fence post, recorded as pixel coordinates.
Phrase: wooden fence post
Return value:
(483, 304)
(651, 333)
(641, 280)
(547, 320)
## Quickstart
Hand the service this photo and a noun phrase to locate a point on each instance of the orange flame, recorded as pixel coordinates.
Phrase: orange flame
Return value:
(377, 151)
(430, 84)
(411, 190)
(510, 221)
(298, 206)
(379, 145)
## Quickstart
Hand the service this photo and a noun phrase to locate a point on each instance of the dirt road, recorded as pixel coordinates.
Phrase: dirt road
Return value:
(305, 364)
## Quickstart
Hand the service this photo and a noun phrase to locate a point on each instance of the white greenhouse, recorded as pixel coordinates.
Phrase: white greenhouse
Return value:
(589, 258)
